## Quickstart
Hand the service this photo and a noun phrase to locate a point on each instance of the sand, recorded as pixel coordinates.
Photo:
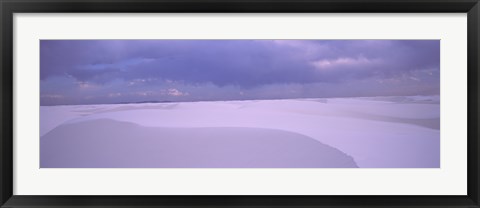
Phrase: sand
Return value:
(380, 132)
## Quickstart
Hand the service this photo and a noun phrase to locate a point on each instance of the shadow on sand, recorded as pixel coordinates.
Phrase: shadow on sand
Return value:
(105, 143)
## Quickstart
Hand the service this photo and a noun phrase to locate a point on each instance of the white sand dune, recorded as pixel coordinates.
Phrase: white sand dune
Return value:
(126, 145)
(399, 132)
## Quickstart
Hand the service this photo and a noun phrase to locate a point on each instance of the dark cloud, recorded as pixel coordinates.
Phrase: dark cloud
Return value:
(237, 64)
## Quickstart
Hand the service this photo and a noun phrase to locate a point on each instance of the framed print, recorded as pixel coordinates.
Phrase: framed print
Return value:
(242, 103)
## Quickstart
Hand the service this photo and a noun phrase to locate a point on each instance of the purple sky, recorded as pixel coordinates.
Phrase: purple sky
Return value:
(114, 71)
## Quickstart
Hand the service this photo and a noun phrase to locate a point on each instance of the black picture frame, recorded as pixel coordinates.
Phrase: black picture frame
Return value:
(9, 7)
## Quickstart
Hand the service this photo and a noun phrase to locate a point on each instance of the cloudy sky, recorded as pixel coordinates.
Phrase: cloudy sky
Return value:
(116, 71)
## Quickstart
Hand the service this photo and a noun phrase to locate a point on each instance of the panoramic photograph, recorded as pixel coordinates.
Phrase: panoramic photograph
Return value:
(239, 104)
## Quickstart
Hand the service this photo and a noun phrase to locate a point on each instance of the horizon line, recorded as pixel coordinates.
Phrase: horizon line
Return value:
(169, 101)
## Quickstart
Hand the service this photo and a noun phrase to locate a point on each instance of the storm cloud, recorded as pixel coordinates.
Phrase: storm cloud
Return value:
(110, 71)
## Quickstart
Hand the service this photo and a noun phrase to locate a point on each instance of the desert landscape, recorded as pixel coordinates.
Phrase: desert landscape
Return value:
(207, 103)
(365, 132)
